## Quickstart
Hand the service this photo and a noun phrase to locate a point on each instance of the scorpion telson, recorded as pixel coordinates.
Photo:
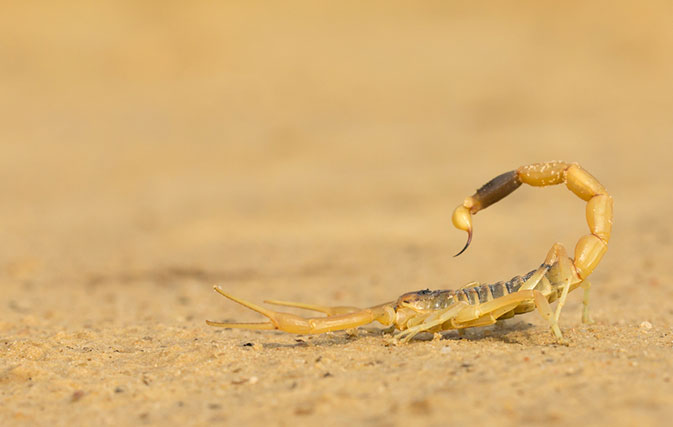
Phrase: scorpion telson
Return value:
(475, 304)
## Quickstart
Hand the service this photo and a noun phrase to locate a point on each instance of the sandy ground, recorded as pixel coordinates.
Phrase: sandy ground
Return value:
(315, 154)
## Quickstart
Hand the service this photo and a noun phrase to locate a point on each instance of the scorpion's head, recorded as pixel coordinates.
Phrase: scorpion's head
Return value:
(411, 304)
(418, 301)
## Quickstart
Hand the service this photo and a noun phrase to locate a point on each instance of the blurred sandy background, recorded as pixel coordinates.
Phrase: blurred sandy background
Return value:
(314, 151)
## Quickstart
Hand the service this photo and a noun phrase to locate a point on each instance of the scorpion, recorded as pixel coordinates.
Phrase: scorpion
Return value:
(476, 304)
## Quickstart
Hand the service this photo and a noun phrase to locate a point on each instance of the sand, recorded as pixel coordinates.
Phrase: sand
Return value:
(315, 153)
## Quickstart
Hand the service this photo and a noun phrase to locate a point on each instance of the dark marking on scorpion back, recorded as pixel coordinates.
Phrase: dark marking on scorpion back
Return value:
(500, 289)
(484, 293)
(438, 299)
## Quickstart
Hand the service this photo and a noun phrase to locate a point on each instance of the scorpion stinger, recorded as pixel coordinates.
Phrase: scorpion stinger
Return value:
(486, 195)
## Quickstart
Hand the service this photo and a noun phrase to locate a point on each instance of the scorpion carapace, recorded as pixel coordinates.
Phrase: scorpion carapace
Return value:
(475, 304)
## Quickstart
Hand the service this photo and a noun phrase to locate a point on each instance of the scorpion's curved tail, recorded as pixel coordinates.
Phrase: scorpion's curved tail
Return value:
(591, 247)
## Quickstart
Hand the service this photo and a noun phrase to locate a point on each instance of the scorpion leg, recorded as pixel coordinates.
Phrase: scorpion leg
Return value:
(566, 269)
(488, 312)
(431, 322)
(556, 252)
(287, 322)
(566, 273)
(556, 255)
(586, 318)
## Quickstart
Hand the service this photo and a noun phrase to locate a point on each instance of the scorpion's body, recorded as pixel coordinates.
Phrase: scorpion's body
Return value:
(477, 304)
(475, 294)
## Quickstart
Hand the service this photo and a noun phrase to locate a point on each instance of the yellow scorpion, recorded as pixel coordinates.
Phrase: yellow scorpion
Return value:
(475, 304)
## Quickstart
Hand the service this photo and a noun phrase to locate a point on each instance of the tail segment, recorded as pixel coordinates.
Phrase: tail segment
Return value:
(591, 247)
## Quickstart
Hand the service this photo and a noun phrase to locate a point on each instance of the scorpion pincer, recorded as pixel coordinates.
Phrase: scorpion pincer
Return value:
(477, 304)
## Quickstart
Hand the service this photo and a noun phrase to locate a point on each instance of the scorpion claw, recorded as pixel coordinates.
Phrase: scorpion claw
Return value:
(337, 319)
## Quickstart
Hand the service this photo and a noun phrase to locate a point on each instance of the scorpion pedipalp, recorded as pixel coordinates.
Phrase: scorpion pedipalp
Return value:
(347, 317)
